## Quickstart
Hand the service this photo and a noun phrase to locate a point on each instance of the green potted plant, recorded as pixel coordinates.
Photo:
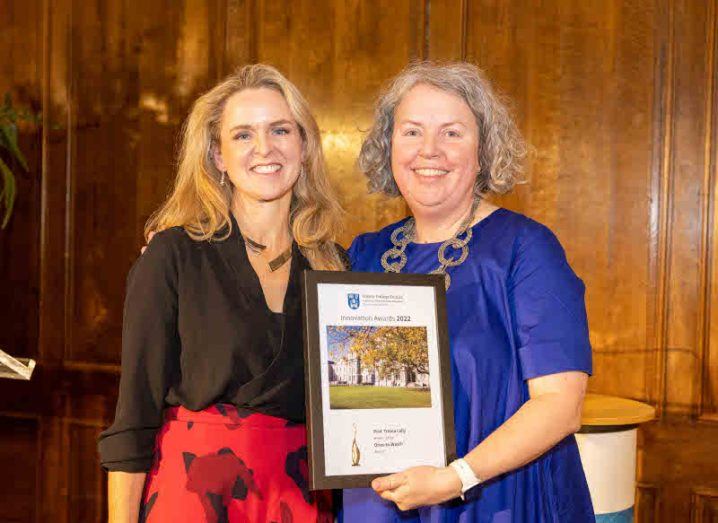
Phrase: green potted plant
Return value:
(10, 154)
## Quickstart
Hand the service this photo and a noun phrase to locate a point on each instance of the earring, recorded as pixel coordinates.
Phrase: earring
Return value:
(221, 180)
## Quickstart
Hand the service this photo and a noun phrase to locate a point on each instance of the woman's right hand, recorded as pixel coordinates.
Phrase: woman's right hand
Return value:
(149, 239)
(124, 496)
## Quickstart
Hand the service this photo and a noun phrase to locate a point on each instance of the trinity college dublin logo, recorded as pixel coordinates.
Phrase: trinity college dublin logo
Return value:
(353, 301)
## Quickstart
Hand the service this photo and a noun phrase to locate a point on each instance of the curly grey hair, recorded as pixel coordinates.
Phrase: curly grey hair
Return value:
(501, 147)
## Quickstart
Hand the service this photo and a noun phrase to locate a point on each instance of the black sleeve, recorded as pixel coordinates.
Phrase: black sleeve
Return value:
(150, 356)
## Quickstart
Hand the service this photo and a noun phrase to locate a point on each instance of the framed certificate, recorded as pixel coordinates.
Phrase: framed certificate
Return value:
(378, 375)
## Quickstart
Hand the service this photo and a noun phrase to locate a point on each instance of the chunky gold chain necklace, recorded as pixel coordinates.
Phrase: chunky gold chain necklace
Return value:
(394, 259)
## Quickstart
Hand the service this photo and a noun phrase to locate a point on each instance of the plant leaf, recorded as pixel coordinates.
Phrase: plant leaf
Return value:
(10, 134)
(12, 130)
(8, 192)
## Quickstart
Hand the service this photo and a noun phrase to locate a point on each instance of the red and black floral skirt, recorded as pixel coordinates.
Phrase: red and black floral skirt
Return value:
(223, 464)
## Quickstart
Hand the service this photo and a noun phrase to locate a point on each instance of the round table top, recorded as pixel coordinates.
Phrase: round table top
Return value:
(602, 410)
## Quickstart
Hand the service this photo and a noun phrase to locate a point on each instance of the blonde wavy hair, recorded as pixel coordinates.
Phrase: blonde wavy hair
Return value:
(201, 205)
(501, 147)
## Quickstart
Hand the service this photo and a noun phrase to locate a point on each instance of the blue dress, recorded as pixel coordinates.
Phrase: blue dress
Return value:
(516, 311)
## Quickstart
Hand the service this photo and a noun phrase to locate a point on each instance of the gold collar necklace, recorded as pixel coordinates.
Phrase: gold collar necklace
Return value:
(258, 248)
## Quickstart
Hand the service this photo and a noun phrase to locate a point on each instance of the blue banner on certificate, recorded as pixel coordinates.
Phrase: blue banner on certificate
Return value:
(378, 381)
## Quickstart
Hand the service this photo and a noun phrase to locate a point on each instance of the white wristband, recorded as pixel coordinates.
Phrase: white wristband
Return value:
(466, 475)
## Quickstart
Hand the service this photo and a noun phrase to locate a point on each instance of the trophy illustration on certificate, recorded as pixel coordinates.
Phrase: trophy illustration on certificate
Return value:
(356, 455)
(376, 359)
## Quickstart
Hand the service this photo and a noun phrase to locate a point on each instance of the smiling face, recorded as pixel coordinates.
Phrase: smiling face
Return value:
(434, 151)
(261, 147)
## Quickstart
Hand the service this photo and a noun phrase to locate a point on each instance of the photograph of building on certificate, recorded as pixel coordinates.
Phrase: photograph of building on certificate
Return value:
(378, 367)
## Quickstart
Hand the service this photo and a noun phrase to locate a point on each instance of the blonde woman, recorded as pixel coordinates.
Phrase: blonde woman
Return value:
(209, 420)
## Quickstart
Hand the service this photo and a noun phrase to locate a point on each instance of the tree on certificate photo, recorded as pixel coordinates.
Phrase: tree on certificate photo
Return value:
(378, 367)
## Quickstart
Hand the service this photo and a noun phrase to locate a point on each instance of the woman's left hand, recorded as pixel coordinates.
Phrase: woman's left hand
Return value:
(419, 486)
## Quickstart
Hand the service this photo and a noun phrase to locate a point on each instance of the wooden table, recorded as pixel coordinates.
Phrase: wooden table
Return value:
(607, 444)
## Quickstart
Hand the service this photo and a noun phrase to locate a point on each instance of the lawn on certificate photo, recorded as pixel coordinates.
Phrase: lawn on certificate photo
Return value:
(376, 397)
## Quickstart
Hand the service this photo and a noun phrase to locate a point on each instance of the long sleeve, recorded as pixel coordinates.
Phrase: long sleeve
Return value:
(150, 357)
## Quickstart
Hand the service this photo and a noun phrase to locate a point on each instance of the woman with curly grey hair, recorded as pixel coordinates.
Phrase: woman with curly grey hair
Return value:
(521, 356)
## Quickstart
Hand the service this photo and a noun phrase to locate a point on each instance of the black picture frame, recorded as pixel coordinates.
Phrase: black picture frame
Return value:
(313, 371)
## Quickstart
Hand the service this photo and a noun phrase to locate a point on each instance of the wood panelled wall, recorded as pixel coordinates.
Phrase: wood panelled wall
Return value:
(619, 99)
